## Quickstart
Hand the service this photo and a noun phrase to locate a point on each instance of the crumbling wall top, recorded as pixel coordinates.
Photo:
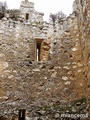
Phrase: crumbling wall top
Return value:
(27, 4)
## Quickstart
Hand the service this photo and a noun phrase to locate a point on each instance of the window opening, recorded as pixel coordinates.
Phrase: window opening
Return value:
(38, 51)
(21, 114)
(27, 16)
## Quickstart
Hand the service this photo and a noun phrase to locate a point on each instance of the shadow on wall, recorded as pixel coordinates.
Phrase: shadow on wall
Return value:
(3, 118)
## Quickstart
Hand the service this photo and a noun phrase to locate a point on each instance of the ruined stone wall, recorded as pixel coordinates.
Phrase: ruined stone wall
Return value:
(84, 35)
(64, 77)
(27, 7)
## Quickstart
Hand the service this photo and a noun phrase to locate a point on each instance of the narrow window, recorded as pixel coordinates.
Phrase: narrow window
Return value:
(27, 16)
(38, 50)
(21, 114)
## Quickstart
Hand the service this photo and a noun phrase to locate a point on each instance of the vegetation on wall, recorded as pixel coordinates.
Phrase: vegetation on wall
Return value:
(14, 14)
(57, 16)
(3, 7)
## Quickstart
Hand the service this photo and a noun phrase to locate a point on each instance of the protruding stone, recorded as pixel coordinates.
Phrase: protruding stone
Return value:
(57, 115)
(65, 78)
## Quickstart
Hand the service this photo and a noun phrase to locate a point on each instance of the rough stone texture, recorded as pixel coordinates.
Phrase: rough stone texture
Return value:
(63, 74)
(27, 7)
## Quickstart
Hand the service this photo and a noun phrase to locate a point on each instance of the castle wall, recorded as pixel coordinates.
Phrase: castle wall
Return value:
(28, 8)
(62, 74)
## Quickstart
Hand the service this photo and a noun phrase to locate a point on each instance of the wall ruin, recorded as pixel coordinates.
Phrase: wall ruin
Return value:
(60, 77)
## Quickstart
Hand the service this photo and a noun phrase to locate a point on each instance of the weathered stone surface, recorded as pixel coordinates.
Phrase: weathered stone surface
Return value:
(44, 88)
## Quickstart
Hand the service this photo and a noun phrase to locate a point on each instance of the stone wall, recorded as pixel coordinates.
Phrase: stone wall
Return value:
(27, 7)
(62, 75)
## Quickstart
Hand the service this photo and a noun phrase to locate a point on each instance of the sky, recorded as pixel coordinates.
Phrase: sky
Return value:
(45, 6)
